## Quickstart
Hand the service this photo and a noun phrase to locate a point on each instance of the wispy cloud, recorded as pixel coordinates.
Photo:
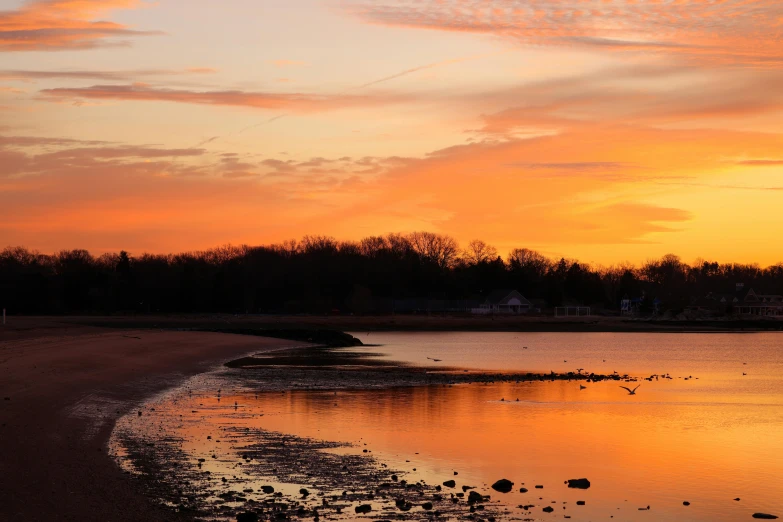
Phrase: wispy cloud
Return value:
(258, 100)
(717, 32)
(53, 25)
(30, 75)
(761, 163)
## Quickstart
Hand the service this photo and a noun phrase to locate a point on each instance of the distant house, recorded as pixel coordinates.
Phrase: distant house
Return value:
(633, 305)
(760, 304)
(504, 302)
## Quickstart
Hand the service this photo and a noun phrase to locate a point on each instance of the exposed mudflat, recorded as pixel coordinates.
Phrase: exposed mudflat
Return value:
(198, 449)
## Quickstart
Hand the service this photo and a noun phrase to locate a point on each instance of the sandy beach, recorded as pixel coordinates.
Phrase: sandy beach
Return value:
(55, 465)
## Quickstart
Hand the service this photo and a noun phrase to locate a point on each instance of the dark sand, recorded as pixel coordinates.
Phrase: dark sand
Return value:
(54, 463)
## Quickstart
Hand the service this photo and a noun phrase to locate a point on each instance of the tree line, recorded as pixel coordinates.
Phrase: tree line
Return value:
(319, 274)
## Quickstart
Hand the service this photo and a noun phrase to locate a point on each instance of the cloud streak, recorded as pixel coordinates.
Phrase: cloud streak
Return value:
(55, 25)
(257, 100)
(121, 76)
(717, 32)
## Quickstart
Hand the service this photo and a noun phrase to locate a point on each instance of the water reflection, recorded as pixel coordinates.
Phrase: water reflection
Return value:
(707, 440)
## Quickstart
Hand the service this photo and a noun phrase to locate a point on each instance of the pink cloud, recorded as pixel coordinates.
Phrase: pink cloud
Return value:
(52, 25)
(258, 100)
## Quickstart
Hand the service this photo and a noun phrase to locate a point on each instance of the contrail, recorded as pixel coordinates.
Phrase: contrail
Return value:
(208, 140)
(375, 82)
(270, 120)
(431, 66)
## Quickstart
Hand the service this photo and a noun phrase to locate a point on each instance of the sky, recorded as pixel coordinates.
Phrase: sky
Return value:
(603, 130)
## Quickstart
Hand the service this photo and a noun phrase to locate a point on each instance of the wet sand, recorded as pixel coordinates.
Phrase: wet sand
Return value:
(62, 387)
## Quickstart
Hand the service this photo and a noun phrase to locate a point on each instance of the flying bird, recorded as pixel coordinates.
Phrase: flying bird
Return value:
(630, 391)
(431, 359)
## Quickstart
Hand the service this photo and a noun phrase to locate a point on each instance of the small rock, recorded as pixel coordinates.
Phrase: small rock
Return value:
(765, 516)
(474, 497)
(523, 490)
(580, 502)
(427, 506)
(539, 486)
(686, 503)
(364, 508)
(248, 516)
(267, 489)
(503, 486)
(581, 483)
(450, 484)
(304, 492)
(548, 509)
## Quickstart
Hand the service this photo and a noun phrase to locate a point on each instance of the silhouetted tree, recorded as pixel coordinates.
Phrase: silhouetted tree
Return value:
(318, 274)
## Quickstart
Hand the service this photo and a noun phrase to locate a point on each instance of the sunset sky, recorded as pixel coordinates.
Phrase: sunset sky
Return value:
(605, 130)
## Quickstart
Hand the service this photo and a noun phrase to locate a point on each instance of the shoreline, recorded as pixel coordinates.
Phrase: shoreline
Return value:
(435, 323)
(62, 377)
(302, 327)
(65, 385)
(63, 389)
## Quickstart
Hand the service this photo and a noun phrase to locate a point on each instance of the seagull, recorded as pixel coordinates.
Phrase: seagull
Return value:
(630, 391)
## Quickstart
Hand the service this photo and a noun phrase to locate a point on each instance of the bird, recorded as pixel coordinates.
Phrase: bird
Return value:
(436, 360)
(630, 391)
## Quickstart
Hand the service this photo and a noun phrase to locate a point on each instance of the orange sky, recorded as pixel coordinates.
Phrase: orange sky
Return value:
(607, 130)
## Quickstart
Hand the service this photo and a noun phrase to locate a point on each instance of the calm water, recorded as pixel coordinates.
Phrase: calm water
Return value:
(708, 435)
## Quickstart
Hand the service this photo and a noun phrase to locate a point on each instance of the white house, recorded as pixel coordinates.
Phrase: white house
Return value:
(760, 304)
(504, 302)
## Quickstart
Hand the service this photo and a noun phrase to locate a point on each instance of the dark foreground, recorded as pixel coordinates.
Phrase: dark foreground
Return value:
(54, 463)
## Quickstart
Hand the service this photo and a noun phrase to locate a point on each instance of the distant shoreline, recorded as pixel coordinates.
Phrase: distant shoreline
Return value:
(300, 325)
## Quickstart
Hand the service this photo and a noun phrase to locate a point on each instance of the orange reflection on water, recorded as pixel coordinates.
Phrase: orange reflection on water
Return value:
(666, 445)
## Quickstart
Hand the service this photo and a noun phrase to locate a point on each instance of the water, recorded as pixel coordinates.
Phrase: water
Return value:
(707, 435)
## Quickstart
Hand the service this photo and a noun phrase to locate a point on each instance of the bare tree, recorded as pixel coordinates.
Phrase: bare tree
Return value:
(479, 252)
(529, 261)
(438, 248)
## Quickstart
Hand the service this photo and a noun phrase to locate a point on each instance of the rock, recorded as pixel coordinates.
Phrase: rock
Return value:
(474, 497)
(450, 484)
(503, 486)
(580, 502)
(304, 492)
(267, 489)
(402, 505)
(548, 509)
(247, 516)
(394, 478)
(581, 483)
(364, 508)
(765, 516)
(686, 503)
(539, 486)
(427, 506)
(523, 490)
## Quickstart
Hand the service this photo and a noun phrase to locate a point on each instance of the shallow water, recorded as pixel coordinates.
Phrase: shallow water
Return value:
(707, 435)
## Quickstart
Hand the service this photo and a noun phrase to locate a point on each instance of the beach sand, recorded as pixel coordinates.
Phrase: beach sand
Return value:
(62, 386)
